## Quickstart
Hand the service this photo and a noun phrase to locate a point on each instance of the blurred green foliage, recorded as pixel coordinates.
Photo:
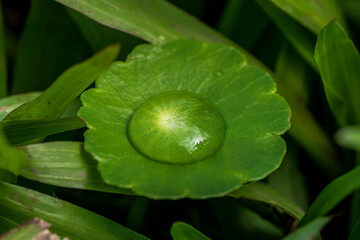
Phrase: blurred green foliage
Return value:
(40, 39)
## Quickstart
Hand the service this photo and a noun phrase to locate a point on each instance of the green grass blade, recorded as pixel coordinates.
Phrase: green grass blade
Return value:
(312, 137)
(183, 231)
(332, 194)
(289, 181)
(355, 232)
(159, 22)
(64, 164)
(301, 39)
(339, 62)
(47, 47)
(230, 15)
(312, 14)
(260, 192)
(293, 68)
(3, 70)
(29, 230)
(351, 9)
(54, 100)
(10, 103)
(100, 36)
(20, 131)
(155, 21)
(247, 12)
(18, 204)
(10, 159)
(310, 230)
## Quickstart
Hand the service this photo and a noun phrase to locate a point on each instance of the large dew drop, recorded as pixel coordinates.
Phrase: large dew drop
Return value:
(177, 127)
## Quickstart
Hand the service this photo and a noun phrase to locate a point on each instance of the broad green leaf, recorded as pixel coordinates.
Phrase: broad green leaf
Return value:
(18, 204)
(355, 232)
(64, 164)
(3, 70)
(10, 159)
(349, 137)
(159, 22)
(33, 229)
(332, 194)
(261, 192)
(178, 134)
(240, 11)
(47, 47)
(10, 103)
(313, 14)
(339, 62)
(183, 231)
(54, 100)
(20, 131)
(310, 230)
(100, 36)
(301, 39)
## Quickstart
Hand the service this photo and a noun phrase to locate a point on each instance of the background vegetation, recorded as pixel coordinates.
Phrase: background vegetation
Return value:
(40, 39)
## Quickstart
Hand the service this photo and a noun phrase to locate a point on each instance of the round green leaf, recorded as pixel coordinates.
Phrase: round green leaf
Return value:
(143, 110)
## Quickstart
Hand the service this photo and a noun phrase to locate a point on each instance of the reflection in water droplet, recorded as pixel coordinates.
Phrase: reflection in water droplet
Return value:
(191, 143)
(177, 127)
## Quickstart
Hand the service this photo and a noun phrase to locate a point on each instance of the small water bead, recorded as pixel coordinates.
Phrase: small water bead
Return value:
(177, 127)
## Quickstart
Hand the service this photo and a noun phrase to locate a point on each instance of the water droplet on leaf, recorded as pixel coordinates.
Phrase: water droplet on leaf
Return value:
(177, 127)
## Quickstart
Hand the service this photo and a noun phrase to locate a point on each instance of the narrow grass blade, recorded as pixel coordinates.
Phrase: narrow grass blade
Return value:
(20, 131)
(260, 192)
(293, 69)
(10, 103)
(47, 47)
(183, 231)
(332, 195)
(18, 204)
(339, 62)
(355, 232)
(243, 11)
(312, 14)
(155, 21)
(100, 36)
(159, 22)
(310, 230)
(3, 70)
(312, 137)
(33, 229)
(351, 9)
(64, 164)
(301, 39)
(54, 100)
(289, 181)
